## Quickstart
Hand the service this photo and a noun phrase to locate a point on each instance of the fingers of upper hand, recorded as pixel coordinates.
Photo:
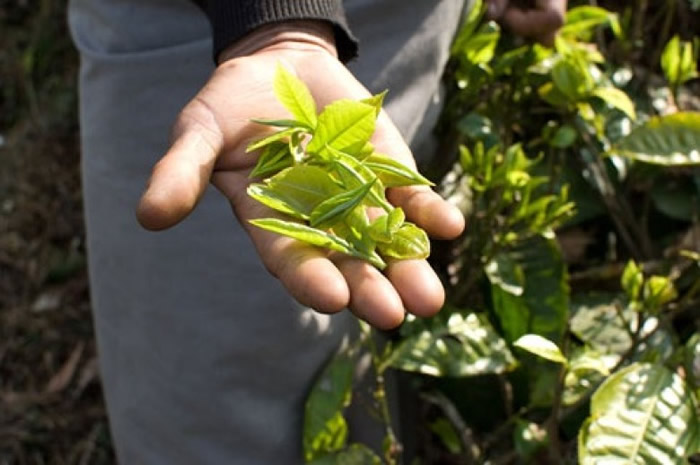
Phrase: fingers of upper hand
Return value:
(540, 23)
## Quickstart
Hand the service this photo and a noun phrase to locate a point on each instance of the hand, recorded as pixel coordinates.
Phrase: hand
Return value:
(209, 143)
(540, 23)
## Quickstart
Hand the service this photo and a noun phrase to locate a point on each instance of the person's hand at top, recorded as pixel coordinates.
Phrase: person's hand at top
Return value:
(541, 22)
(208, 145)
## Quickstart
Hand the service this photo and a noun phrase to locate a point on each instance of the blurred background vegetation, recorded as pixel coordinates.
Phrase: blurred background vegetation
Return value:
(51, 409)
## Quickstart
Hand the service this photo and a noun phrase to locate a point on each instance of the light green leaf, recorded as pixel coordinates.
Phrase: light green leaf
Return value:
(325, 429)
(280, 123)
(481, 46)
(672, 140)
(384, 227)
(343, 124)
(632, 280)
(644, 414)
(295, 191)
(581, 22)
(305, 233)
(677, 62)
(295, 96)
(409, 242)
(274, 137)
(376, 101)
(589, 360)
(274, 158)
(463, 345)
(393, 173)
(471, 22)
(356, 454)
(542, 347)
(571, 76)
(352, 173)
(616, 99)
(671, 59)
(658, 290)
(337, 207)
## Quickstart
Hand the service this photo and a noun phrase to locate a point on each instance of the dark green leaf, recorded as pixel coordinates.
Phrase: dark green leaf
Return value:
(356, 454)
(461, 346)
(449, 437)
(325, 429)
(503, 272)
(671, 140)
(543, 306)
(642, 414)
(295, 97)
(564, 137)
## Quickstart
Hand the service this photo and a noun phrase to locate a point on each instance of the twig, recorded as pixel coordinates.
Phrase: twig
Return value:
(471, 448)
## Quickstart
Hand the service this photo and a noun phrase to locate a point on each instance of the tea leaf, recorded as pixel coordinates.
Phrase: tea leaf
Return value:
(616, 99)
(300, 188)
(376, 101)
(409, 242)
(277, 136)
(295, 97)
(384, 227)
(393, 173)
(336, 207)
(342, 124)
(542, 347)
(275, 157)
(305, 234)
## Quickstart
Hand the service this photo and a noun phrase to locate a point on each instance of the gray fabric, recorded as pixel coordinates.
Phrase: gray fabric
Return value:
(204, 358)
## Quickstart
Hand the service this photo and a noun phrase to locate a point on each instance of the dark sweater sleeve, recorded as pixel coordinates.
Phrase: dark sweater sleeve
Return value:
(232, 19)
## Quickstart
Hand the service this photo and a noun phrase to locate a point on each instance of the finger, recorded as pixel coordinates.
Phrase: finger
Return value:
(180, 178)
(440, 219)
(496, 8)
(540, 24)
(305, 271)
(372, 297)
(418, 286)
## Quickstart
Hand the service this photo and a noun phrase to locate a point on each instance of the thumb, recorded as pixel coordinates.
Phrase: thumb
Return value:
(180, 178)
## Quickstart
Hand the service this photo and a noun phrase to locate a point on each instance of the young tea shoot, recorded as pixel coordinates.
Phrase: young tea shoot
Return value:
(322, 171)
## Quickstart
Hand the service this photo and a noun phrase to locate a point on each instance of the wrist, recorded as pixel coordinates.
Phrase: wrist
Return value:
(312, 35)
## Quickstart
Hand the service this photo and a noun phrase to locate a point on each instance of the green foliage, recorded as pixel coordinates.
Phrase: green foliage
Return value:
(323, 172)
(463, 345)
(642, 414)
(671, 140)
(679, 62)
(579, 265)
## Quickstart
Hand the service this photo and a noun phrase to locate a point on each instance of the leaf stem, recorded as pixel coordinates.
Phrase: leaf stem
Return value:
(393, 447)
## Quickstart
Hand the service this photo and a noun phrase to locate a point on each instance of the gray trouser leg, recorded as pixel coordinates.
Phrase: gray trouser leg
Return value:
(204, 357)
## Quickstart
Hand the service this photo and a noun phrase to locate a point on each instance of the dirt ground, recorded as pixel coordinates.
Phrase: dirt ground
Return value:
(51, 408)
